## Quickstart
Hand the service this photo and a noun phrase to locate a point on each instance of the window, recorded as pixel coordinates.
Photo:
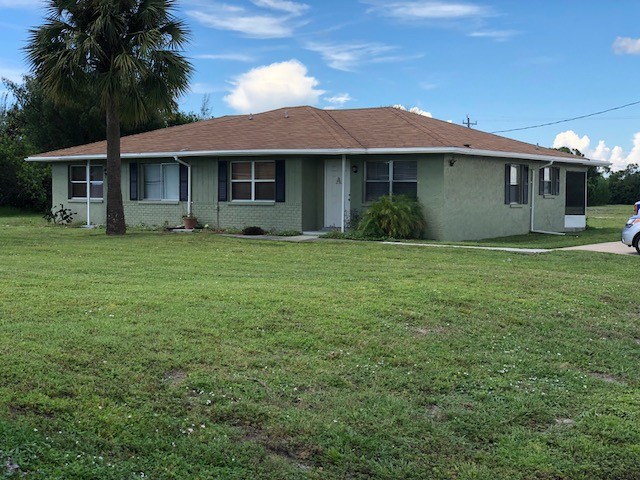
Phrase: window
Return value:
(549, 181)
(253, 180)
(516, 184)
(161, 181)
(395, 177)
(78, 181)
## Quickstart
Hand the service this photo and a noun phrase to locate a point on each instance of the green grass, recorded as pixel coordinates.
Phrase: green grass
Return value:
(203, 356)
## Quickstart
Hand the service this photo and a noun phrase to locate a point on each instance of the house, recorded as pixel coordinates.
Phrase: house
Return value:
(307, 169)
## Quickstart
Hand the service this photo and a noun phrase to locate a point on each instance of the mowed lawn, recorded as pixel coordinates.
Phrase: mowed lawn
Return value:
(200, 356)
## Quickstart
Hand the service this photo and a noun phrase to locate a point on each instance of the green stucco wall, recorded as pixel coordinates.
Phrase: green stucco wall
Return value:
(60, 195)
(462, 197)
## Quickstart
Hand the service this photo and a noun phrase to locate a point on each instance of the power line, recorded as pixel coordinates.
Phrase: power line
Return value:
(568, 119)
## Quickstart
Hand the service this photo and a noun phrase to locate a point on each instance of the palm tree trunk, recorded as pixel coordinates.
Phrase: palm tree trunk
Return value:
(115, 208)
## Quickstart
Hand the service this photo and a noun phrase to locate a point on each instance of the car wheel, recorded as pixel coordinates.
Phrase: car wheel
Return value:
(636, 243)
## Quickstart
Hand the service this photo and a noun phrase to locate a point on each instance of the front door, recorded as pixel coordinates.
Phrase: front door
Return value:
(333, 193)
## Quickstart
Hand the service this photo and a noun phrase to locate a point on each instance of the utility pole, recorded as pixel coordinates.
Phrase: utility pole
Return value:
(468, 122)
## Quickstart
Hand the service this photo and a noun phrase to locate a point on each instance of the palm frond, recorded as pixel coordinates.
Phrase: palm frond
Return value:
(129, 49)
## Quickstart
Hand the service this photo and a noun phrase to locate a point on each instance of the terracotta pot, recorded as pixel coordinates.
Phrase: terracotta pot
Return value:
(189, 222)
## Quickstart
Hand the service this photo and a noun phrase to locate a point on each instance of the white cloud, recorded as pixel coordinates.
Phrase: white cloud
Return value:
(338, 100)
(233, 57)
(294, 8)
(626, 45)
(348, 56)
(273, 86)
(428, 85)
(616, 155)
(428, 10)
(571, 139)
(204, 88)
(251, 24)
(497, 35)
(416, 110)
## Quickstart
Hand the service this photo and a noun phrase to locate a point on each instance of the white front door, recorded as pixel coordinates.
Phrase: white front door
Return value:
(333, 193)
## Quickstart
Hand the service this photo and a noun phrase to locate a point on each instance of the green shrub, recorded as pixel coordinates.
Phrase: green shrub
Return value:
(397, 216)
(253, 231)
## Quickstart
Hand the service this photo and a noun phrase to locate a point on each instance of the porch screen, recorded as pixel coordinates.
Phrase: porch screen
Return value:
(576, 193)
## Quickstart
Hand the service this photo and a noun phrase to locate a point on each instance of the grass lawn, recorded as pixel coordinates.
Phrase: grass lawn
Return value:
(172, 356)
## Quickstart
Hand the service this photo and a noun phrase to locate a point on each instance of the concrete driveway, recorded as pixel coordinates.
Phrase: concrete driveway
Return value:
(609, 247)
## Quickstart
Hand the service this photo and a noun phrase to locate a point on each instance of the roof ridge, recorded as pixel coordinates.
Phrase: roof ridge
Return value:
(330, 128)
(405, 116)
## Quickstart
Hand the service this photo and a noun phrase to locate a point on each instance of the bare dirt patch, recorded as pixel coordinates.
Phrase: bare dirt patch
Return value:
(423, 331)
(605, 377)
(283, 447)
(175, 377)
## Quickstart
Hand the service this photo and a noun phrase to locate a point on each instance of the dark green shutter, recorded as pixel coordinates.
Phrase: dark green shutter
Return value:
(223, 181)
(556, 180)
(133, 181)
(525, 184)
(184, 183)
(541, 181)
(280, 183)
(507, 183)
(69, 195)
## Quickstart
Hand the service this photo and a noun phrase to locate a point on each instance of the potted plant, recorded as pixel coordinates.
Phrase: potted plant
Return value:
(190, 221)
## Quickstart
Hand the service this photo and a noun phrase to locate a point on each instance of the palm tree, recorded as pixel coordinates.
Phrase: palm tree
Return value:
(129, 50)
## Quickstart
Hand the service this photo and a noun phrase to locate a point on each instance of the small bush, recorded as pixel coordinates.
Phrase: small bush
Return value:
(397, 216)
(253, 231)
(62, 216)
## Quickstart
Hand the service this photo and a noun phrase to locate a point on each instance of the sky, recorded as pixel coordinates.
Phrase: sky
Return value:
(505, 64)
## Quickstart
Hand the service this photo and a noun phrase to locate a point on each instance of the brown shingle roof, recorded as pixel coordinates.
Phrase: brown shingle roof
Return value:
(308, 128)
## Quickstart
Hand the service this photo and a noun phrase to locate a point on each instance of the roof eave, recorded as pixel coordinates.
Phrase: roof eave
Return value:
(331, 151)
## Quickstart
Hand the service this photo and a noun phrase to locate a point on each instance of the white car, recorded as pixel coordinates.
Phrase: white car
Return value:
(631, 233)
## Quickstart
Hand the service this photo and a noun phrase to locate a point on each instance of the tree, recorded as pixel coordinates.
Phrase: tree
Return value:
(128, 50)
(624, 185)
(22, 184)
(50, 126)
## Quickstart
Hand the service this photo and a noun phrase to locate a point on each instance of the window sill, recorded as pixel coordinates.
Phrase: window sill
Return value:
(84, 200)
(159, 202)
(548, 195)
(516, 205)
(252, 202)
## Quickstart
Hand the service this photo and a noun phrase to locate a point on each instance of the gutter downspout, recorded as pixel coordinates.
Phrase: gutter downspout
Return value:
(342, 204)
(88, 179)
(188, 165)
(533, 200)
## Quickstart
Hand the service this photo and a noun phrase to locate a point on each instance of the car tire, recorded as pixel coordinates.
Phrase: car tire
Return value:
(636, 243)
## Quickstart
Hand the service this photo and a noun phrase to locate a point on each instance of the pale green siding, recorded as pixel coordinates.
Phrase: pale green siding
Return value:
(60, 195)
(430, 187)
(462, 197)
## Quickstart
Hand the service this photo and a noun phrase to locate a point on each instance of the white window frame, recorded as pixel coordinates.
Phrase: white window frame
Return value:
(390, 179)
(163, 189)
(87, 182)
(253, 181)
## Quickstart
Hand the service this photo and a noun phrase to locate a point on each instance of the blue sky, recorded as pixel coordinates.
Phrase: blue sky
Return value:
(507, 64)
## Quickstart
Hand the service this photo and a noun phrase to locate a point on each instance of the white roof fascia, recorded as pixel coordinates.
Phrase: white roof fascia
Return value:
(332, 151)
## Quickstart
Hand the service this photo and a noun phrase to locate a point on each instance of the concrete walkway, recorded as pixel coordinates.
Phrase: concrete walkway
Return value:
(608, 247)
(529, 251)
